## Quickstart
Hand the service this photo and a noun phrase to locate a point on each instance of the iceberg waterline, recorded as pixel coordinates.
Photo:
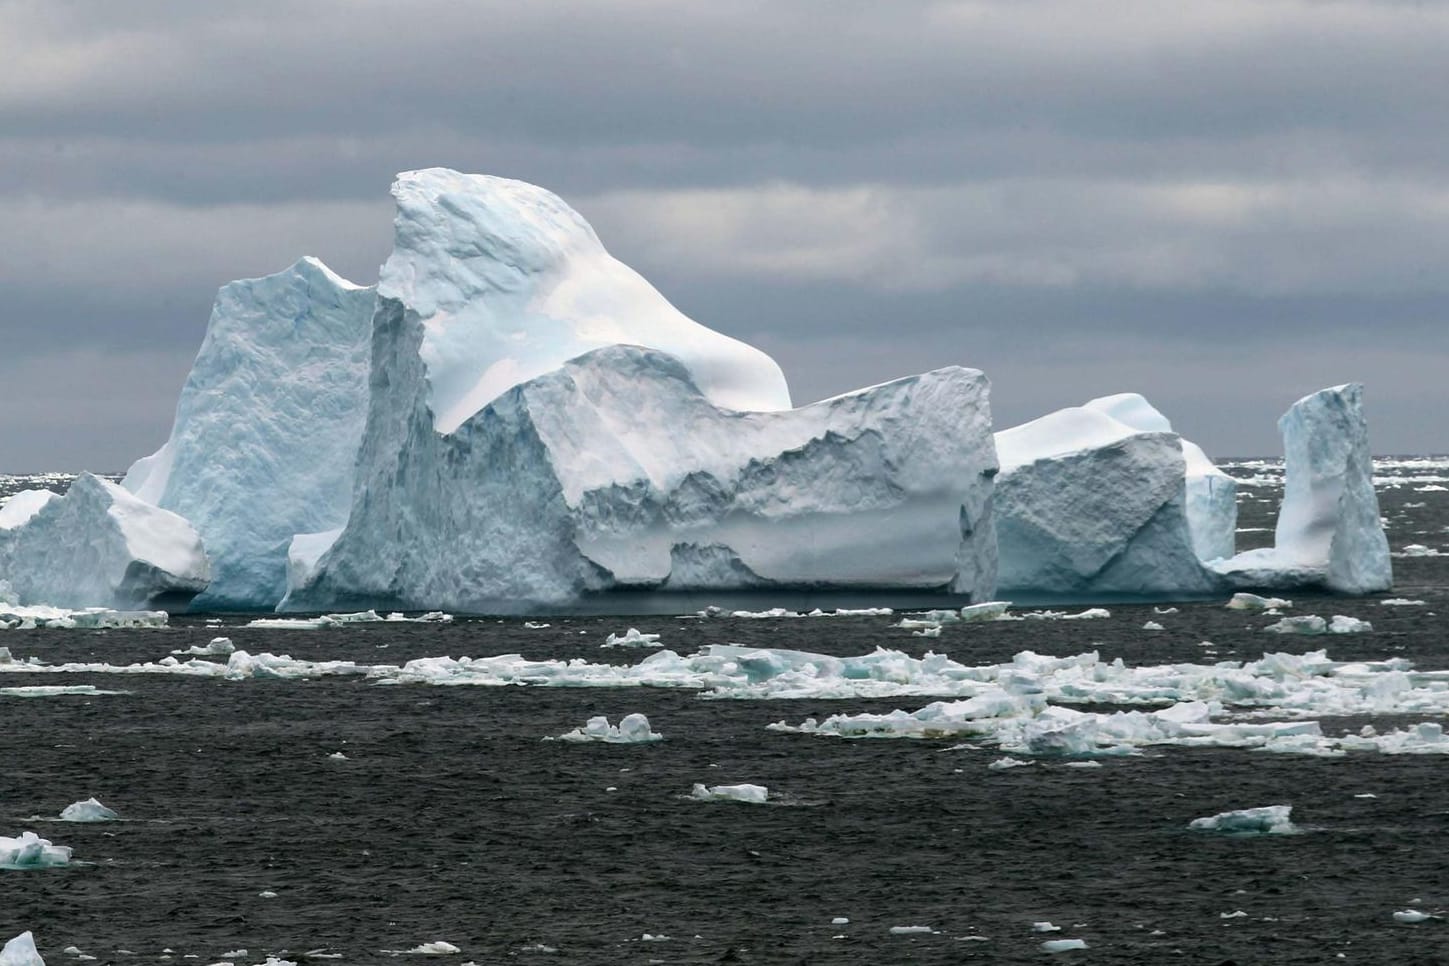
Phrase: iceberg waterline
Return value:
(513, 421)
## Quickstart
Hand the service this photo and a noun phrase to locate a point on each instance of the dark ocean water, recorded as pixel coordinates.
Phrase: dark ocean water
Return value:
(452, 820)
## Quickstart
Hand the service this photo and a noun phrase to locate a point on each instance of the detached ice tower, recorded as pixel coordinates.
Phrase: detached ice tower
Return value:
(1329, 530)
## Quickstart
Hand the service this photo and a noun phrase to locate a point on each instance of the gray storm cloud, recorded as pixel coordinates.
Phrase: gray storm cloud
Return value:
(1220, 204)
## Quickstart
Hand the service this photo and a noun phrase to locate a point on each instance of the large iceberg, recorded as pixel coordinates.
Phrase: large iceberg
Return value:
(267, 427)
(1329, 531)
(1212, 495)
(1090, 506)
(615, 472)
(544, 426)
(100, 546)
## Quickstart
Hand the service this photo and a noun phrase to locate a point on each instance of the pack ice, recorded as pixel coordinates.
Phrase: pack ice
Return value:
(1104, 499)
(98, 546)
(267, 427)
(1329, 531)
(501, 470)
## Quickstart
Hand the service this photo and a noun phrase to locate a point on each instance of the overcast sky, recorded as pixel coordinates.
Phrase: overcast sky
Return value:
(1223, 205)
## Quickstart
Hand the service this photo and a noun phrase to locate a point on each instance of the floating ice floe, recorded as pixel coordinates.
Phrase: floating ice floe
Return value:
(1268, 820)
(632, 638)
(632, 729)
(1246, 601)
(991, 610)
(436, 948)
(216, 647)
(775, 613)
(1153, 626)
(1412, 916)
(1045, 926)
(1313, 624)
(1418, 550)
(748, 794)
(345, 620)
(30, 851)
(20, 617)
(911, 931)
(1091, 613)
(89, 810)
(1401, 602)
(21, 951)
(1063, 945)
(1002, 764)
(56, 691)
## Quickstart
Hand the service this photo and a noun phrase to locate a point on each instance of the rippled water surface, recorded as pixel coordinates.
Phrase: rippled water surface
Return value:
(449, 818)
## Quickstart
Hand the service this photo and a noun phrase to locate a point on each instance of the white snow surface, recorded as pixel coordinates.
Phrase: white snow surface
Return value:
(89, 810)
(21, 951)
(1086, 504)
(614, 472)
(508, 283)
(1329, 530)
(30, 851)
(748, 794)
(267, 427)
(20, 507)
(100, 546)
(1212, 495)
(632, 729)
(1270, 820)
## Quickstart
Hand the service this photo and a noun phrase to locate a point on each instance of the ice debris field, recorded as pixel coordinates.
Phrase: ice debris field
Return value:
(1034, 704)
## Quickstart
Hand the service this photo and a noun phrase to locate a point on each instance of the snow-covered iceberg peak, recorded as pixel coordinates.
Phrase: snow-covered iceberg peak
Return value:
(1329, 530)
(99, 546)
(267, 427)
(17, 511)
(1212, 495)
(509, 282)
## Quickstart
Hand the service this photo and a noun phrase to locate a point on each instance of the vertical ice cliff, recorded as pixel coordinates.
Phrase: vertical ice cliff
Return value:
(1087, 505)
(1329, 530)
(267, 427)
(1212, 495)
(544, 426)
(508, 282)
(99, 546)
